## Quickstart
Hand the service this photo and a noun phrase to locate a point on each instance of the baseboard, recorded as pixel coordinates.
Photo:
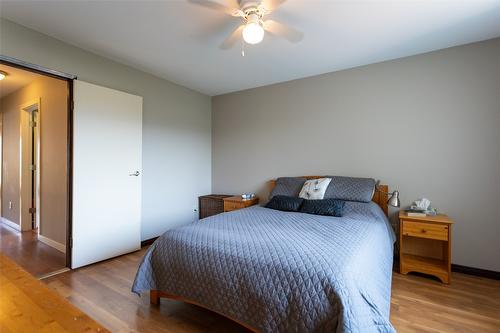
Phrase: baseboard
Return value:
(148, 241)
(11, 224)
(59, 271)
(475, 271)
(52, 243)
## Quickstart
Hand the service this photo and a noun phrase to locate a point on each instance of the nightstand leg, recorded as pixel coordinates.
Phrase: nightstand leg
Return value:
(400, 231)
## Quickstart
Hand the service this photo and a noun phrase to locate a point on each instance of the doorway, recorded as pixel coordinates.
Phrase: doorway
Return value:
(35, 173)
(30, 166)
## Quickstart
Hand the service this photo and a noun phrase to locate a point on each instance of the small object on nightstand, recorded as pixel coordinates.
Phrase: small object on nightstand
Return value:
(415, 213)
(425, 245)
(237, 202)
(248, 196)
(421, 207)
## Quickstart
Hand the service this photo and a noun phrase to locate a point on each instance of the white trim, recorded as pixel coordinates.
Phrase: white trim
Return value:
(52, 243)
(10, 224)
(59, 271)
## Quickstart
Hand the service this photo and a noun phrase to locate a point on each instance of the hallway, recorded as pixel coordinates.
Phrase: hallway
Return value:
(34, 256)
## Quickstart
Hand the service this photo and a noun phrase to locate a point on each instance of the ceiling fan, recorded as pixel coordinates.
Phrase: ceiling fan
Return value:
(253, 27)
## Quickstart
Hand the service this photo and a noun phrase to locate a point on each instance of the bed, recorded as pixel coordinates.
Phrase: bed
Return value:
(275, 271)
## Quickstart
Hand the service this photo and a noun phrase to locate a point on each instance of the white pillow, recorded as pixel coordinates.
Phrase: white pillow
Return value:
(314, 189)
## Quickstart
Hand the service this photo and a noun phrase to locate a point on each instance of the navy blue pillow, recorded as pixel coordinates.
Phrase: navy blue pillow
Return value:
(285, 203)
(328, 207)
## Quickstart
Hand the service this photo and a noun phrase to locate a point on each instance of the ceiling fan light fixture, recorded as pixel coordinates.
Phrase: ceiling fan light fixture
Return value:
(253, 33)
(2, 75)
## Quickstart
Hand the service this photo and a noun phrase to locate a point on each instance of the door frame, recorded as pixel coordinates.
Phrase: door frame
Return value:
(25, 177)
(13, 62)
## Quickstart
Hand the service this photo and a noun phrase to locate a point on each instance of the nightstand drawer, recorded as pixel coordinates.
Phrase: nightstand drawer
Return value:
(229, 206)
(235, 203)
(425, 230)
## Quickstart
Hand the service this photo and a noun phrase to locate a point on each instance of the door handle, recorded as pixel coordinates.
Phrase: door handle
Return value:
(135, 174)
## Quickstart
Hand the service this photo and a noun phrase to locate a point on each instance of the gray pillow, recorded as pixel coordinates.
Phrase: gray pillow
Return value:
(288, 186)
(350, 189)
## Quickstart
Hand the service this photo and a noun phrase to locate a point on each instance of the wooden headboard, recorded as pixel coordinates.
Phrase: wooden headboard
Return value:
(378, 197)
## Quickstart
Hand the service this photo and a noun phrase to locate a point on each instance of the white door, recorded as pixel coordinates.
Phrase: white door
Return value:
(107, 161)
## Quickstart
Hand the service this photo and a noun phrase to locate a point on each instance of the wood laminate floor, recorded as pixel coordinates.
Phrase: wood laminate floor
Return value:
(469, 304)
(28, 252)
(27, 305)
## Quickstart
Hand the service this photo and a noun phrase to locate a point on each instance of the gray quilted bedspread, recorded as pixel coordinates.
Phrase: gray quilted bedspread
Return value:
(281, 271)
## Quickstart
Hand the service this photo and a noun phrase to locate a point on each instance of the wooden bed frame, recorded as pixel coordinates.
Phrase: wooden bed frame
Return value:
(155, 295)
(379, 198)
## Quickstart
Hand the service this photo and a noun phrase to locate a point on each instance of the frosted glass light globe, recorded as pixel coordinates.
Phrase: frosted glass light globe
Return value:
(253, 33)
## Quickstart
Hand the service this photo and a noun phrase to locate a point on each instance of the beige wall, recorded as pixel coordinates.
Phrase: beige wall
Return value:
(11, 118)
(427, 125)
(53, 95)
(176, 124)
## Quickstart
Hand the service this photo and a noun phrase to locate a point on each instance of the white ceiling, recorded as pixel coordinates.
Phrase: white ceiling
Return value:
(179, 41)
(15, 79)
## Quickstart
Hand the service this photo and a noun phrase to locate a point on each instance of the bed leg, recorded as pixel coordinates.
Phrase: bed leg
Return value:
(154, 297)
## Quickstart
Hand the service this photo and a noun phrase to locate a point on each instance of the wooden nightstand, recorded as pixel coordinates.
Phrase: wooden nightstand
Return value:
(211, 204)
(425, 245)
(235, 203)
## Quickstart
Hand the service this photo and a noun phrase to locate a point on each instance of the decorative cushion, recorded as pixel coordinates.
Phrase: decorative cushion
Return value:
(314, 189)
(350, 189)
(288, 186)
(329, 207)
(285, 203)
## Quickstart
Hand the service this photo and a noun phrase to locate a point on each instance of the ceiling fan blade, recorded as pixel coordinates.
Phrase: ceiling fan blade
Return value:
(217, 6)
(281, 30)
(271, 5)
(233, 38)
